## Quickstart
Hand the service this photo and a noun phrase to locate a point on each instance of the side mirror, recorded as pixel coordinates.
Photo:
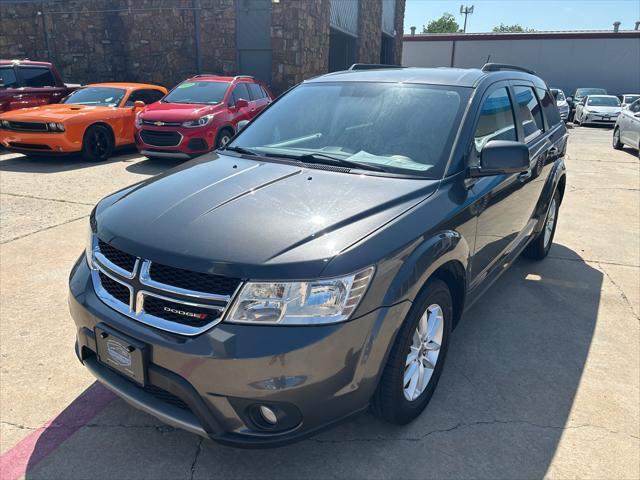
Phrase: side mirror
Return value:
(569, 99)
(500, 157)
(241, 103)
(138, 104)
(241, 124)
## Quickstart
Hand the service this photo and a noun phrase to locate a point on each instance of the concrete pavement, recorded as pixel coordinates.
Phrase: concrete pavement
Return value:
(542, 377)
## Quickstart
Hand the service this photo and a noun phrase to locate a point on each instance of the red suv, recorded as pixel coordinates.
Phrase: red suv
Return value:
(199, 115)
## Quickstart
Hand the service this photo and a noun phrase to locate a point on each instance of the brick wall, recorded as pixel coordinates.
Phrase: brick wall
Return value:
(369, 31)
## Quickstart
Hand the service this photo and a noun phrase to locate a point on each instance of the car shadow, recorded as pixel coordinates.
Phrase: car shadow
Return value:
(153, 166)
(631, 151)
(53, 164)
(503, 402)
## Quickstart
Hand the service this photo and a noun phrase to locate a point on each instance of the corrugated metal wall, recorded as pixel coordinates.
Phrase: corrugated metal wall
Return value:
(344, 16)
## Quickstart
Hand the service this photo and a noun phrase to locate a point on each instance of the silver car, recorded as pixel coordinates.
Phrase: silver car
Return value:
(627, 129)
(628, 98)
(561, 103)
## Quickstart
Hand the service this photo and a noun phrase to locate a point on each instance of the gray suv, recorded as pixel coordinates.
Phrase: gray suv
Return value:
(317, 265)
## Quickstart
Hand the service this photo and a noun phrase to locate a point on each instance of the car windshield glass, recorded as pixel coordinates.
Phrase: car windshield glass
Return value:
(631, 98)
(603, 102)
(202, 93)
(96, 96)
(399, 128)
(559, 94)
(583, 92)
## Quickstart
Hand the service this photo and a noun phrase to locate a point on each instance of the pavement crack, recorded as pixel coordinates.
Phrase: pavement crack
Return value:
(620, 291)
(9, 240)
(17, 425)
(195, 458)
(34, 197)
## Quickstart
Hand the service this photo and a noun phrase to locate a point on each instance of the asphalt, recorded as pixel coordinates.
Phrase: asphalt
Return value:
(542, 378)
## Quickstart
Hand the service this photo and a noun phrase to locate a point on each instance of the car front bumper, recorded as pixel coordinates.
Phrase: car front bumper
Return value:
(599, 119)
(192, 142)
(49, 143)
(210, 384)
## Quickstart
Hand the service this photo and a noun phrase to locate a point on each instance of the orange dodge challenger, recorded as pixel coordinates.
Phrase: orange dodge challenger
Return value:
(93, 120)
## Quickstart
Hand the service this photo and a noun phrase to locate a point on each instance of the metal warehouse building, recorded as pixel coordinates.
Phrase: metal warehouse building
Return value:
(565, 60)
(164, 41)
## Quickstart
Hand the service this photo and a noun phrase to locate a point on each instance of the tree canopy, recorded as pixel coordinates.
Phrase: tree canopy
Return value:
(445, 24)
(515, 28)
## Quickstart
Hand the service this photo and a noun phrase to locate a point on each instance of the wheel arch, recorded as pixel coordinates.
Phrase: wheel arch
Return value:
(101, 124)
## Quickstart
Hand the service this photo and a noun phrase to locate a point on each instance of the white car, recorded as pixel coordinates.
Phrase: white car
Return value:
(627, 129)
(561, 103)
(598, 110)
(628, 98)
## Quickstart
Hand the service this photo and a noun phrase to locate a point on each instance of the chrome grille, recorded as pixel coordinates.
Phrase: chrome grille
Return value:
(187, 303)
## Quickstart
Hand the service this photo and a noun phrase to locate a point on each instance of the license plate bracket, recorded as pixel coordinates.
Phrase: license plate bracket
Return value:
(121, 353)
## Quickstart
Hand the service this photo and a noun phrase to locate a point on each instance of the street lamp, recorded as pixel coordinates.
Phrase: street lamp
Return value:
(466, 11)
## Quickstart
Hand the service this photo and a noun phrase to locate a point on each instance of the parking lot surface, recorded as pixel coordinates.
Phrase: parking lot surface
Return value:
(542, 377)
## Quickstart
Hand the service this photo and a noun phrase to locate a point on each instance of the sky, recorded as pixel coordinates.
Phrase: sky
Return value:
(536, 14)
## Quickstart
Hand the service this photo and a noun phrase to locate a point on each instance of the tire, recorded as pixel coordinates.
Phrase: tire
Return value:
(539, 247)
(97, 144)
(390, 401)
(223, 138)
(617, 144)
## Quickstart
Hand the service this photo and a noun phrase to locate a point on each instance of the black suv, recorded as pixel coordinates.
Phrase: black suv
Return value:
(318, 264)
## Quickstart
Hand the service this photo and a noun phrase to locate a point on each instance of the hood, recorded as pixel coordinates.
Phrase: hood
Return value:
(250, 219)
(177, 112)
(55, 112)
(598, 109)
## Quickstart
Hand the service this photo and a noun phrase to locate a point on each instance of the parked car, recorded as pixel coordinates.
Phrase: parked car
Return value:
(199, 115)
(561, 103)
(92, 121)
(24, 84)
(628, 98)
(627, 128)
(598, 110)
(577, 97)
(319, 261)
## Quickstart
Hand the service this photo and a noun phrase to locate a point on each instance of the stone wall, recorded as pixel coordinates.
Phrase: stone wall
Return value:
(299, 40)
(369, 31)
(399, 27)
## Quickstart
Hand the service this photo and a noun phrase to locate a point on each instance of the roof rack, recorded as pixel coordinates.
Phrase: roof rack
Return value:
(498, 67)
(243, 76)
(205, 75)
(372, 66)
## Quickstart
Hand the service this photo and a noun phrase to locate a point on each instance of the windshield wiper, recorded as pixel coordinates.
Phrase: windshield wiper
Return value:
(242, 150)
(324, 159)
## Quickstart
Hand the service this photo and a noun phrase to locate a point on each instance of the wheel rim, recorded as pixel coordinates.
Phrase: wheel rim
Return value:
(224, 140)
(423, 353)
(616, 138)
(551, 221)
(98, 143)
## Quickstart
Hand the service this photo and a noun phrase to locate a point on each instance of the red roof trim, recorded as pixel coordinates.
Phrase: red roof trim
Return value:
(438, 37)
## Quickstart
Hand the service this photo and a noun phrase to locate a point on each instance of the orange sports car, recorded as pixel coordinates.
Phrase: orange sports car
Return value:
(93, 120)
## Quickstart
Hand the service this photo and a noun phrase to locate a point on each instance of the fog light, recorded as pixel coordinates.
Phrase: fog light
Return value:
(268, 415)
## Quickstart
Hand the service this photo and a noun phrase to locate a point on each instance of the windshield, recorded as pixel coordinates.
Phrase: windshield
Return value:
(399, 128)
(201, 93)
(96, 96)
(603, 102)
(631, 98)
(559, 95)
(583, 92)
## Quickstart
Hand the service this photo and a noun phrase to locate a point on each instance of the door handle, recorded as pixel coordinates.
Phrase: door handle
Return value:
(553, 152)
(524, 176)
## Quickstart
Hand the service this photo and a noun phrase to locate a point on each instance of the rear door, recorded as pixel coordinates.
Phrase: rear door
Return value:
(39, 86)
(259, 98)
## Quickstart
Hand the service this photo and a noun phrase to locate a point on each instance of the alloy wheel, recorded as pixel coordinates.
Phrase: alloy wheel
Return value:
(98, 143)
(424, 352)
(551, 220)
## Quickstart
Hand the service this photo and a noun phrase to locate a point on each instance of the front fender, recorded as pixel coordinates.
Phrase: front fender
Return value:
(557, 175)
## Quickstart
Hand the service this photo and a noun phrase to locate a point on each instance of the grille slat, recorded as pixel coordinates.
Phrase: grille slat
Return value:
(117, 257)
(160, 138)
(196, 281)
(28, 126)
(115, 289)
(165, 396)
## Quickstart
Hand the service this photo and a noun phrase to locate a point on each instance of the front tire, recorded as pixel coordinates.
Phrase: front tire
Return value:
(223, 138)
(617, 144)
(417, 357)
(539, 247)
(97, 144)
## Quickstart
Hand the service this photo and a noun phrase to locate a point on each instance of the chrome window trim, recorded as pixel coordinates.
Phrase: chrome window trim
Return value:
(145, 279)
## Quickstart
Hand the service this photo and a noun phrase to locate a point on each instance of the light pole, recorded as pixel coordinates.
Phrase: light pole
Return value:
(466, 11)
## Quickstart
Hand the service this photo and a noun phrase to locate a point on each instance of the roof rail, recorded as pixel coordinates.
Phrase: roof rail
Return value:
(205, 75)
(243, 76)
(372, 66)
(498, 67)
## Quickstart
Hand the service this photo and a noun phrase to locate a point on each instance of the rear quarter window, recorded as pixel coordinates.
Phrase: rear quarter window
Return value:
(549, 107)
(530, 112)
(255, 91)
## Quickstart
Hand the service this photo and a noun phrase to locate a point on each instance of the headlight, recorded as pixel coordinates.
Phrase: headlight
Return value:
(5, 123)
(91, 242)
(138, 120)
(56, 127)
(201, 122)
(300, 303)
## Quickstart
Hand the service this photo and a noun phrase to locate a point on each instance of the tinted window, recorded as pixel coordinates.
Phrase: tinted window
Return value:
(549, 106)
(8, 78)
(202, 93)
(97, 96)
(496, 119)
(603, 102)
(241, 92)
(635, 106)
(631, 98)
(530, 112)
(37, 77)
(400, 128)
(583, 92)
(146, 96)
(255, 91)
(264, 93)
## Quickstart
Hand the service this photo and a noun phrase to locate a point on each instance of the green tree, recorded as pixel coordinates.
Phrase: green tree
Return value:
(512, 28)
(445, 24)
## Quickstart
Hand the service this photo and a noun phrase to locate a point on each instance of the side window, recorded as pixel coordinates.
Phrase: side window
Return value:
(8, 78)
(255, 91)
(530, 112)
(240, 91)
(264, 93)
(37, 77)
(551, 112)
(147, 96)
(496, 120)
(635, 106)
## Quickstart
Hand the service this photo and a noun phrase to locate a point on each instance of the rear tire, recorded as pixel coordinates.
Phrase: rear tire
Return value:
(223, 138)
(97, 144)
(539, 247)
(617, 144)
(413, 353)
